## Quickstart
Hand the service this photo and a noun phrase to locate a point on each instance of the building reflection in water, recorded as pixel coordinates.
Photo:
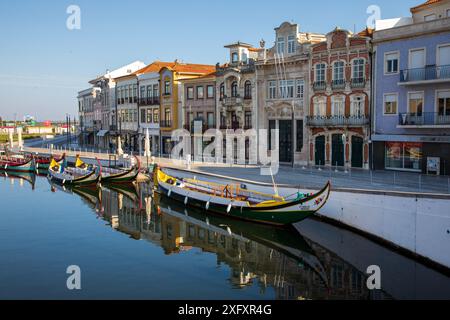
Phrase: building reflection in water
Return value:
(282, 259)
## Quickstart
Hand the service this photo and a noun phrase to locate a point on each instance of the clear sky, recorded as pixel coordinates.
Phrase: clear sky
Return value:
(43, 64)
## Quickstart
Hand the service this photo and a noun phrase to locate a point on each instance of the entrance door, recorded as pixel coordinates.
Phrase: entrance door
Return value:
(319, 154)
(337, 155)
(285, 127)
(357, 152)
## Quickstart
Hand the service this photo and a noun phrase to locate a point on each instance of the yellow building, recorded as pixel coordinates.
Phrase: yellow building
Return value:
(172, 97)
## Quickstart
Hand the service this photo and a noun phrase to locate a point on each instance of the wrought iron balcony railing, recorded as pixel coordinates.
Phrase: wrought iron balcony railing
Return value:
(424, 119)
(320, 85)
(338, 84)
(358, 83)
(330, 121)
(428, 73)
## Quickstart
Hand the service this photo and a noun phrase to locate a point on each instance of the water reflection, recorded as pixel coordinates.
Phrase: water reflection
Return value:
(279, 258)
(314, 260)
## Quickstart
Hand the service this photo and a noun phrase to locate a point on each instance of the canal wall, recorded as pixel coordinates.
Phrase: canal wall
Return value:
(416, 223)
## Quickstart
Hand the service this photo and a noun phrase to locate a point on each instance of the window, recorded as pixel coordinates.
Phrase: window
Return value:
(415, 103)
(142, 92)
(200, 92)
(272, 86)
(338, 71)
(190, 93)
(222, 91)
(358, 69)
(143, 118)
(167, 87)
(357, 106)
(155, 91)
(280, 45)
(167, 114)
(338, 106)
(300, 92)
(404, 156)
(234, 57)
(244, 57)
(287, 89)
(320, 107)
(155, 115)
(416, 60)
(430, 17)
(320, 72)
(390, 104)
(126, 93)
(444, 59)
(444, 103)
(135, 93)
(299, 146)
(149, 92)
(149, 115)
(291, 44)
(448, 13)
(248, 119)
(210, 92)
(200, 116)
(210, 119)
(248, 90)
(234, 89)
(391, 63)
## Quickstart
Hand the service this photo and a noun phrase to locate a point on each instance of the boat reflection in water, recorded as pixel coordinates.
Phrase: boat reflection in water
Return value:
(21, 177)
(280, 258)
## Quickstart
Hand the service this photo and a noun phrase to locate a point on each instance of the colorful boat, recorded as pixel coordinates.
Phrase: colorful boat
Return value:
(17, 164)
(73, 176)
(114, 175)
(42, 162)
(236, 201)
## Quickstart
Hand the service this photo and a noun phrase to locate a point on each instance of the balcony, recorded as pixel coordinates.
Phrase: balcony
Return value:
(149, 101)
(320, 85)
(233, 126)
(338, 84)
(232, 101)
(333, 121)
(165, 123)
(429, 74)
(358, 83)
(424, 119)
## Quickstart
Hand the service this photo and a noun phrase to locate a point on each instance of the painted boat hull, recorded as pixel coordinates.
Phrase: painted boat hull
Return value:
(285, 213)
(18, 166)
(127, 176)
(90, 179)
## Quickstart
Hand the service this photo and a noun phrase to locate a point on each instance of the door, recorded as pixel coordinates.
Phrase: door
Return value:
(285, 140)
(443, 71)
(357, 152)
(337, 155)
(319, 152)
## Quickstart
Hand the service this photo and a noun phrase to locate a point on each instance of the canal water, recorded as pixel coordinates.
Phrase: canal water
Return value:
(129, 245)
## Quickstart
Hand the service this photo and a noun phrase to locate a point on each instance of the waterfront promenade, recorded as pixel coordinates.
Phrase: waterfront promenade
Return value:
(304, 177)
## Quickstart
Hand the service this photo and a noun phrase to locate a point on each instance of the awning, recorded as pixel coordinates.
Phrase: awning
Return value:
(102, 133)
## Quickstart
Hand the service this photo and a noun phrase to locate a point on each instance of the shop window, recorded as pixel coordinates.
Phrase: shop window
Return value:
(404, 156)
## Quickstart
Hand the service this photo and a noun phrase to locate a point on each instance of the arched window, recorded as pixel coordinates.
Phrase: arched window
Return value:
(234, 89)
(248, 90)
(222, 91)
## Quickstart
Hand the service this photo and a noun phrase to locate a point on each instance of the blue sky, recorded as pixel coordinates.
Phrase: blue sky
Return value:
(43, 64)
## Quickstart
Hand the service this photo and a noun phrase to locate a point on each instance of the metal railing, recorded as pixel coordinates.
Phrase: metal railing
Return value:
(424, 119)
(358, 83)
(320, 85)
(427, 73)
(325, 121)
(338, 84)
(148, 101)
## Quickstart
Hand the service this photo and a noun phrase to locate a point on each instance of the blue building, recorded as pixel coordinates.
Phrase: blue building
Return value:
(411, 126)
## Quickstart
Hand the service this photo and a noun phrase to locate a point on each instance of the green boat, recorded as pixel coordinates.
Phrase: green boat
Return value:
(234, 201)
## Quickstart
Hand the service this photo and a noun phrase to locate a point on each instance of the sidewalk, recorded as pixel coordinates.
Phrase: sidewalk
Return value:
(310, 177)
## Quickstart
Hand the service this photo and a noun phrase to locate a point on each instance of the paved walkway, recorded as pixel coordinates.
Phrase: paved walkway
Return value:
(304, 177)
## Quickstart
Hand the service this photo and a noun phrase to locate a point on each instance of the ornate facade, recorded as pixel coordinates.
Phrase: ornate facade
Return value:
(338, 120)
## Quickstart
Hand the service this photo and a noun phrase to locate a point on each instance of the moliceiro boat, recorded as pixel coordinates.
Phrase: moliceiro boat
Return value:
(72, 176)
(114, 175)
(235, 200)
(17, 164)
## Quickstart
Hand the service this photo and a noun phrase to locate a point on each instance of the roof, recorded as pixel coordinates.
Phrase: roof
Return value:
(191, 68)
(424, 5)
(367, 32)
(155, 66)
(239, 44)
(208, 76)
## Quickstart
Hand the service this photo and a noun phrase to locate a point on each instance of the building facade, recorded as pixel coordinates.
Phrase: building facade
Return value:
(171, 98)
(339, 108)
(412, 100)
(282, 77)
(86, 115)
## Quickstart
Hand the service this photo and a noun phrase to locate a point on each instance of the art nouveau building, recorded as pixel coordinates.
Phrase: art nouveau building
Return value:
(338, 120)
(282, 77)
(236, 90)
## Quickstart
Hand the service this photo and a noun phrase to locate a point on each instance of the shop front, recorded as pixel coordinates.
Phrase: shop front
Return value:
(405, 156)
